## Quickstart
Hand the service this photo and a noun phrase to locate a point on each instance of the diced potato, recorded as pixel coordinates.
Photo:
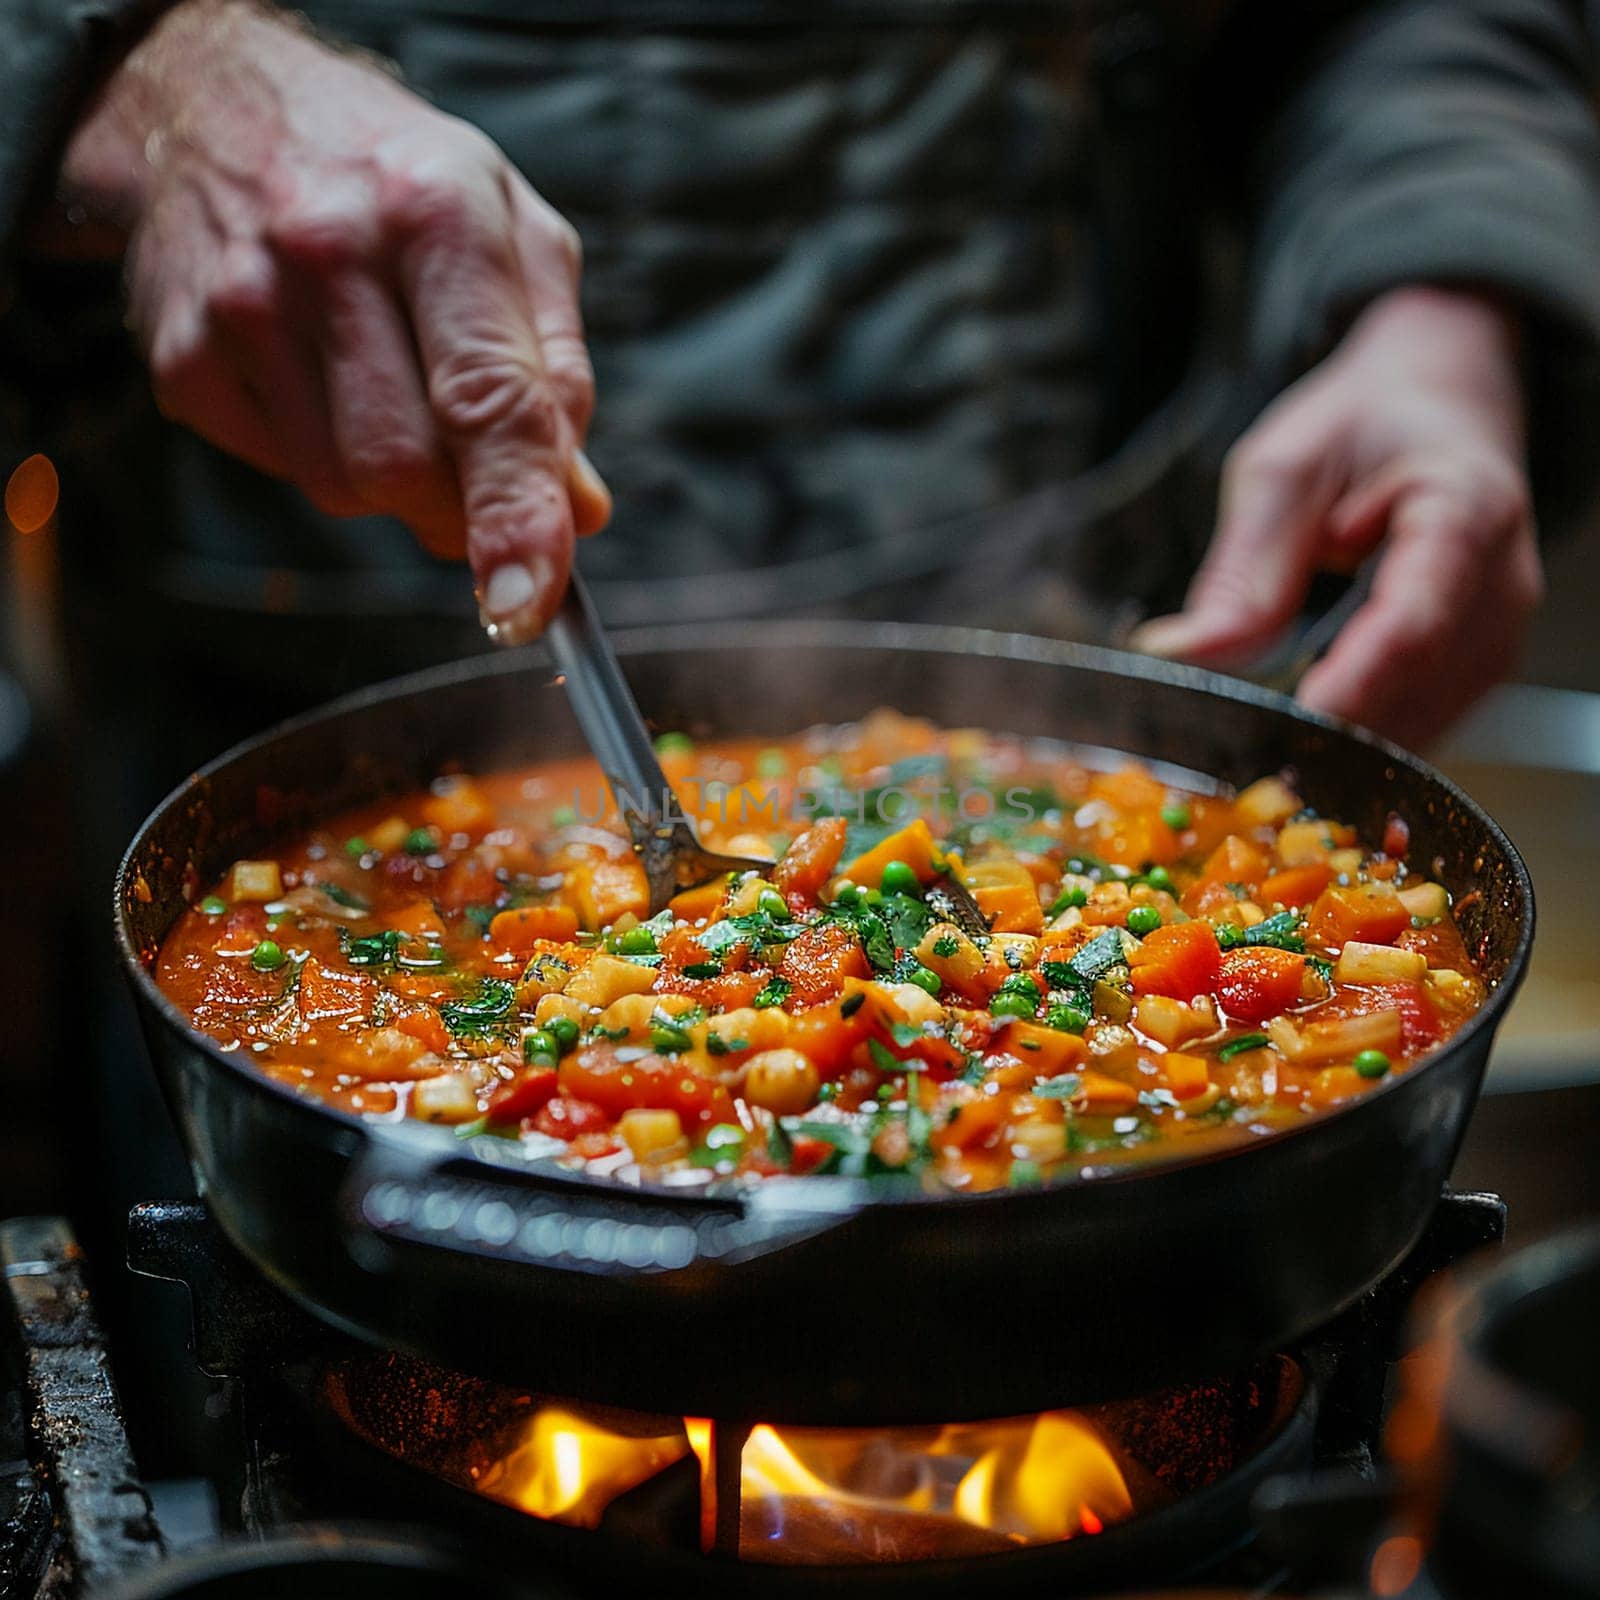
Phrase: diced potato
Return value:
(781, 1081)
(389, 835)
(1379, 963)
(628, 1018)
(1247, 914)
(1303, 844)
(743, 1031)
(1034, 1139)
(1329, 1041)
(255, 881)
(1019, 951)
(746, 895)
(549, 972)
(654, 1136)
(606, 978)
(1347, 862)
(451, 1097)
(1454, 988)
(1170, 1022)
(1266, 803)
(1104, 1096)
(1426, 900)
(916, 1005)
(945, 949)
(605, 891)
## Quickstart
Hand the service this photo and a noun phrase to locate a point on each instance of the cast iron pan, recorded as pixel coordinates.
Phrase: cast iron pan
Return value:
(813, 1301)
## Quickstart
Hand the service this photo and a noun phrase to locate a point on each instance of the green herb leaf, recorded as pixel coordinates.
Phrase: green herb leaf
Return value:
(1235, 1047)
(773, 993)
(491, 1003)
(1063, 1088)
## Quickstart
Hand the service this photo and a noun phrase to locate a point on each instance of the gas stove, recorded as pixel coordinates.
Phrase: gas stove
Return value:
(387, 1469)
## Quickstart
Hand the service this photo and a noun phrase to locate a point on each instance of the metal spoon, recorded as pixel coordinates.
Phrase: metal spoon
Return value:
(672, 857)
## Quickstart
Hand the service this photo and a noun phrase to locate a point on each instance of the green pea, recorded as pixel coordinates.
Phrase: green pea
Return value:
(1010, 1003)
(873, 897)
(724, 1136)
(1077, 895)
(925, 980)
(564, 1031)
(668, 1040)
(1158, 878)
(637, 941)
(267, 956)
(213, 905)
(1176, 817)
(1066, 1019)
(1143, 920)
(771, 764)
(1371, 1063)
(419, 842)
(1021, 983)
(898, 878)
(674, 744)
(563, 817)
(845, 893)
(773, 903)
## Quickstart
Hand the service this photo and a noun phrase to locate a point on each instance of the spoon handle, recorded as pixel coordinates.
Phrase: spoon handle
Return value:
(606, 710)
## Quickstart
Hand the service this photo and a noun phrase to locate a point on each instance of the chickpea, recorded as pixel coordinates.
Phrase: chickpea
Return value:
(781, 1081)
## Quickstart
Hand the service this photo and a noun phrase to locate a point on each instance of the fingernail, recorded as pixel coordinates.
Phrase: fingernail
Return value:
(512, 608)
(591, 496)
(1166, 636)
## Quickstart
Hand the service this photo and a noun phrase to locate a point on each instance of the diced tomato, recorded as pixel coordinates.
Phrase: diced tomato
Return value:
(520, 929)
(1236, 860)
(420, 919)
(808, 1153)
(1180, 960)
(1296, 886)
(1396, 837)
(808, 863)
(1440, 944)
(427, 1027)
(596, 1074)
(1371, 912)
(1256, 984)
(818, 962)
(1419, 1021)
(325, 994)
(529, 1092)
(468, 880)
(566, 1118)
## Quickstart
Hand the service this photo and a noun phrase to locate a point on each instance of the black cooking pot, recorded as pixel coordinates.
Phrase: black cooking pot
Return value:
(816, 1301)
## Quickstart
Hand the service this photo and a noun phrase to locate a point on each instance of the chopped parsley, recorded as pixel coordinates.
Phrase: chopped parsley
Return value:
(773, 993)
(491, 1003)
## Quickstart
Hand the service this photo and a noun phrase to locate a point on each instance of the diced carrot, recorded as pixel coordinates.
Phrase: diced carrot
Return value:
(1007, 895)
(1139, 840)
(1131, 788)
(977, 1124)
(1295, 886)
(1051, 1050)
(322, 994)
(827, 1037)
(1185, 1075)
(1103, 1095)
(426, 1027)
(912, 844)
(819, 961)
(458, 806)
(1257, 983)
(605, 890)
(1179, 960)
(1334, 1084)
(418, 919)
(520, 929)
(701, 903)
(808, 863)
(1236, 860)
(1207, 898)
(1370, 912)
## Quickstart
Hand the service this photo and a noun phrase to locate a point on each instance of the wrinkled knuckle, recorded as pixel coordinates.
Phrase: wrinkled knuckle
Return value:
(504, 393)
(244, 295)
(1264, 457)
(569, 242)
(320, 239)
(426, 199)
(389, 470)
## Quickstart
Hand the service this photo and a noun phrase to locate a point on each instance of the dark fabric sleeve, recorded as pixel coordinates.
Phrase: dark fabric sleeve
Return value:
(53, 54)
(1445, 141)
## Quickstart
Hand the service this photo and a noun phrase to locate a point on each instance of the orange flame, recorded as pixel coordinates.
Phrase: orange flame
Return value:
(567, 1469)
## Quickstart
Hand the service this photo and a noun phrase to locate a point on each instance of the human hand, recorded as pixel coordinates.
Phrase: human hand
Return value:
(1409, 436)
(352, 291)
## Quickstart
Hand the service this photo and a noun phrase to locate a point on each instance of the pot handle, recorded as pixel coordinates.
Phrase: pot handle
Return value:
(404, 1191)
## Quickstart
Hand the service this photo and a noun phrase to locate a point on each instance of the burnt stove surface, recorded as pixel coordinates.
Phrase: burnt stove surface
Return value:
(75, 1520)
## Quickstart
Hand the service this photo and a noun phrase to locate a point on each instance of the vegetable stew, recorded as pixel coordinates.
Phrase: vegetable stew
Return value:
(1163, 969)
